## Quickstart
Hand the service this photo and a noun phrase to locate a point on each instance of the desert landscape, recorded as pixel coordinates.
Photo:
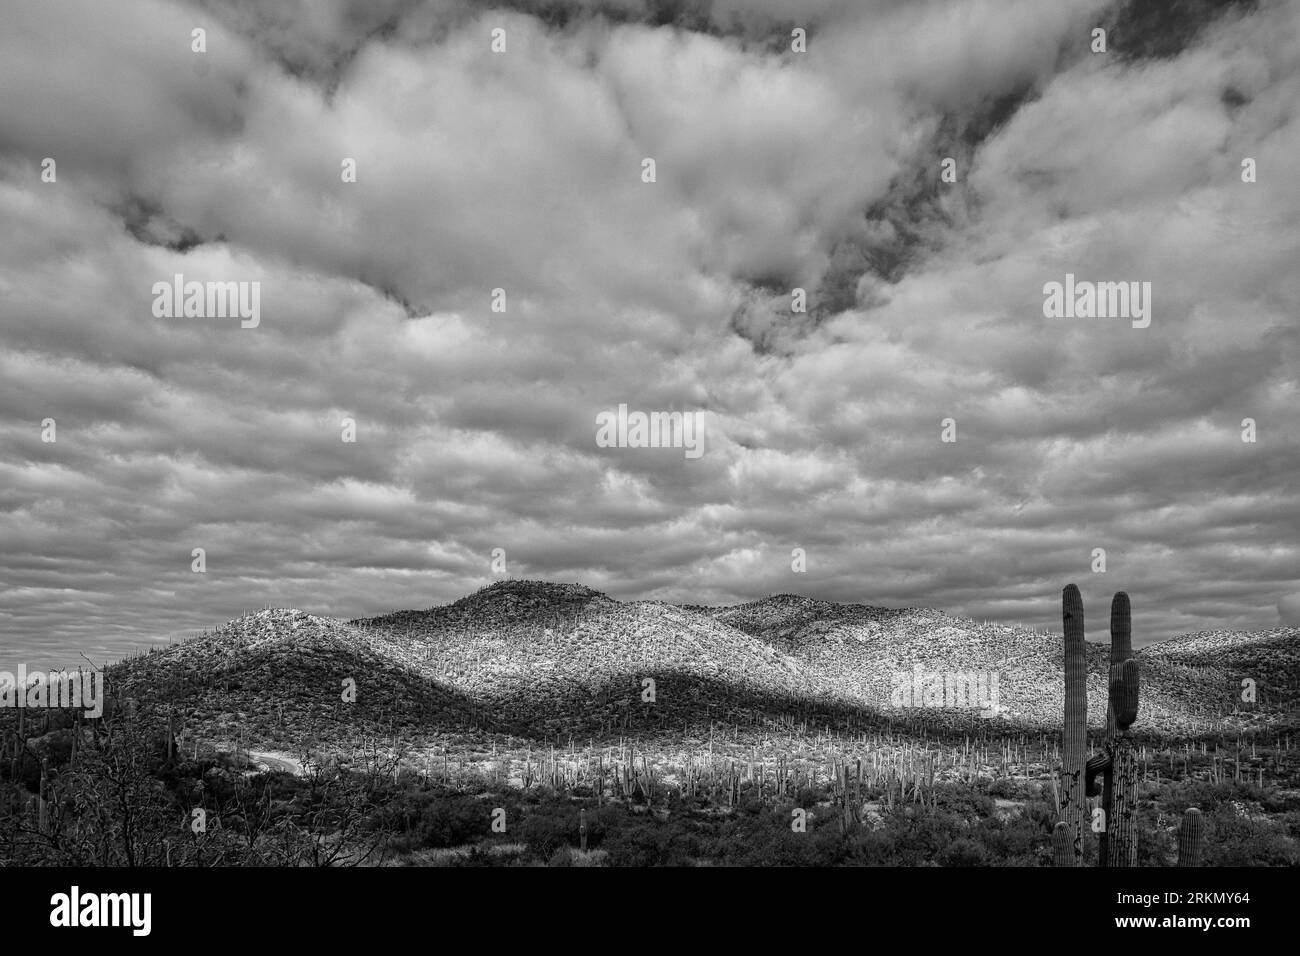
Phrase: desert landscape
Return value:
(646, 434)
(543, 723)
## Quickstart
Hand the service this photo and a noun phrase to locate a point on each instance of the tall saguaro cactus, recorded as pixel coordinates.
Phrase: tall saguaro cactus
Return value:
(1121, 649)
(1076, 720)
(1118, 761)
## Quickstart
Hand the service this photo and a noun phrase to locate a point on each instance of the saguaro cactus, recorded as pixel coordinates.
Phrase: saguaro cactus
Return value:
(1118, 761)
(171, 737)
(43, 807)
(1121, 641)
(1191, 838)
(1076, 720)
(1121, 649)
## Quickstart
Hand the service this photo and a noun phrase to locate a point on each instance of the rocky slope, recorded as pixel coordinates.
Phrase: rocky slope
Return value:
(1228, 667)
(545, 660)
(281, 669)
(1188, 684)
(564, 658)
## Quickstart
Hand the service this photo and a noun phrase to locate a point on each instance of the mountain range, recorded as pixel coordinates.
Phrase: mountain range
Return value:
(547, 661)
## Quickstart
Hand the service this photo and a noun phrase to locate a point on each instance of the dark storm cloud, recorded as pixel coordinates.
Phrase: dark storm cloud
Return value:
(476, 428)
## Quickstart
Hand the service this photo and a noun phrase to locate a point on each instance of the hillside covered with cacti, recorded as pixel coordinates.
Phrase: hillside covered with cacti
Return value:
(546, 661)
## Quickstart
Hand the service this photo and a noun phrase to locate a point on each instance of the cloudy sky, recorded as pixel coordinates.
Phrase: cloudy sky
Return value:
(522, 170)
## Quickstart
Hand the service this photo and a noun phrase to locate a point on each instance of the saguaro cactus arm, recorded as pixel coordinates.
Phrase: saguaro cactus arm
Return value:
(1097, 764)
(1124, 693)
(1121, 644)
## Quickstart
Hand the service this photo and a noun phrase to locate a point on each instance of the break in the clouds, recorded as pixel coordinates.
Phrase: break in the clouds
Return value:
(523, 171)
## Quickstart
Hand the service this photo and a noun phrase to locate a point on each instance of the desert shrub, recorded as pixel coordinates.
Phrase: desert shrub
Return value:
(766, 839)
(547, 829)
(1009, 789)
(1278, 801)
(1041, 814)
(453, 821)
(476, 855)
(561, 857)
(650, 843)
(962, 801)
(1236, 838)
(964, 851)
(1019, 840)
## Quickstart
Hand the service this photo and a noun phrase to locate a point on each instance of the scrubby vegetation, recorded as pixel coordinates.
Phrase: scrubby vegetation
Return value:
(109, 793)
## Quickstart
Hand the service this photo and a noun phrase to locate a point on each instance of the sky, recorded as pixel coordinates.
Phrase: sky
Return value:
(522, 170)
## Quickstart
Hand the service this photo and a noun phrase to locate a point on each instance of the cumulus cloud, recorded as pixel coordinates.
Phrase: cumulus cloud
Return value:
(522, 171)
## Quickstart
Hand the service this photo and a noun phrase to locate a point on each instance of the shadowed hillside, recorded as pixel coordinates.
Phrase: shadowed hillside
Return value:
(545, 661)
(557, 659)
(281, 673)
